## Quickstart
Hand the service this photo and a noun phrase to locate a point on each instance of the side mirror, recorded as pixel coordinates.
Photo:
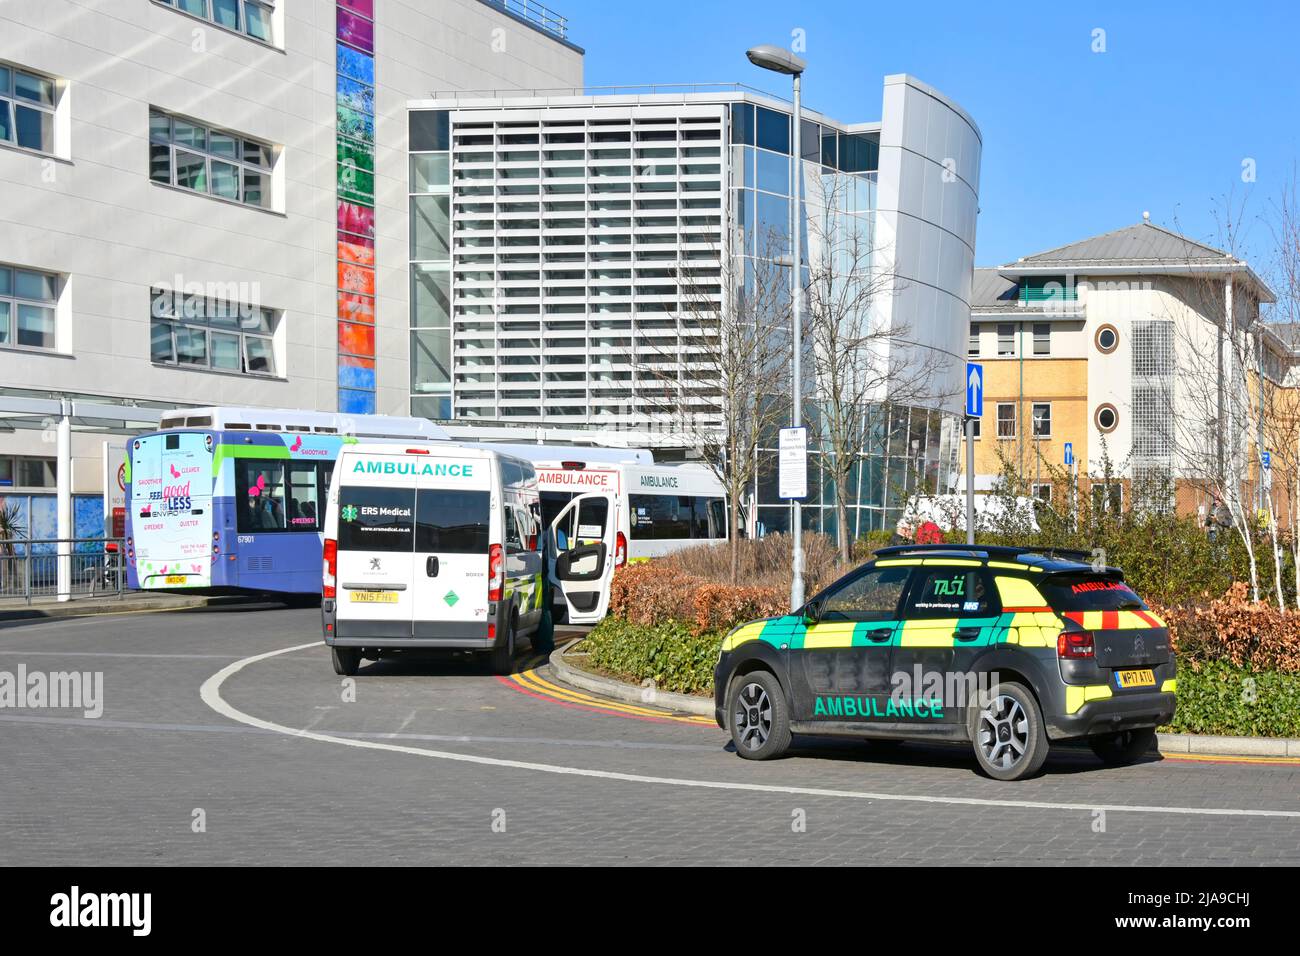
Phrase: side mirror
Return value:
(811, 613)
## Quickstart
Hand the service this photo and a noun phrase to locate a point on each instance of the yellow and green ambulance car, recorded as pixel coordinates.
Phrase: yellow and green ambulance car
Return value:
(1011, 649)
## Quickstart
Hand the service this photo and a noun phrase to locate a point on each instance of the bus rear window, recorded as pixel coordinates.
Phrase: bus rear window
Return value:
(376, 519)
(454, 522)
(1089, 592)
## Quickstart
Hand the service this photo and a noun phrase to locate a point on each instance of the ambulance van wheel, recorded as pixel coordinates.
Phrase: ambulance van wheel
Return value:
(346, 660)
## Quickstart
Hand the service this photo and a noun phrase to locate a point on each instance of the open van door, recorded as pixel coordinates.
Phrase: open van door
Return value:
(580, 555)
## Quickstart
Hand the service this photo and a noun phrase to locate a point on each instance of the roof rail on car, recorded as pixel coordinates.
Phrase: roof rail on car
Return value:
(986, 550)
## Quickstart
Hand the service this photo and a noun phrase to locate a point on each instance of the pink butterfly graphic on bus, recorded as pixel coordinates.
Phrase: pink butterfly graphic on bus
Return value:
(172, 468)
(256, 489)
(297, 444)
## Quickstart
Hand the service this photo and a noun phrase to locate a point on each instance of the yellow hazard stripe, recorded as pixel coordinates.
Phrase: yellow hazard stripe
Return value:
(1170, 686)
(1076, 696)
(895, 562)
(836, 634)
(531, 681)
(746, 632)
(1017, 592)
(935, 633)
(953, 563)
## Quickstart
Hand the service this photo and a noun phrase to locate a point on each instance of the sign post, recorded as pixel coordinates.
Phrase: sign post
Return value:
(974, 410)
(1074, 485)
(792, 471)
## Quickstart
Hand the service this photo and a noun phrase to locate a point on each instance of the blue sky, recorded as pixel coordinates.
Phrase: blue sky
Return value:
(1075, 142)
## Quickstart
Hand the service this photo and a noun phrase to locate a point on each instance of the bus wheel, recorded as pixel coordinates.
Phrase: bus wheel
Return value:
(346, 660)
(501, 659)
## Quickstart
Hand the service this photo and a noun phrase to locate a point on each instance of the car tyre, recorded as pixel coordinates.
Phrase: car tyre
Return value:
(346, 660)
(1124, 747)
(1008, 733)
(758, 716)
(501, 659)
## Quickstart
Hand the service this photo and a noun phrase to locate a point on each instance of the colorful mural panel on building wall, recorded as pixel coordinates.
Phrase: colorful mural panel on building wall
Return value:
(355, 88)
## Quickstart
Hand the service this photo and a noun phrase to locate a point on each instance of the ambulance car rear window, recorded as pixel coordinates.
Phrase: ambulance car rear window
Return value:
(453, 522)
(376, 519)
(1089, 592)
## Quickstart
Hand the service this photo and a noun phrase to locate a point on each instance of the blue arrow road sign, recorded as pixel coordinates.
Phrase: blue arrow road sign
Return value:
(974, 389)
(1267, 458)
(1069, 453)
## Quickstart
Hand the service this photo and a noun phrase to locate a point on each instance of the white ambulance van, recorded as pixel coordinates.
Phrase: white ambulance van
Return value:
(429, 545)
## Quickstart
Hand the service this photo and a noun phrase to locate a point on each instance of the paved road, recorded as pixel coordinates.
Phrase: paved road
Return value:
(437, 762)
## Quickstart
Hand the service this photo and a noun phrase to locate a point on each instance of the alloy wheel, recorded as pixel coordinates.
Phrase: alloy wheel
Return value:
(753, 716)
(1003, 732)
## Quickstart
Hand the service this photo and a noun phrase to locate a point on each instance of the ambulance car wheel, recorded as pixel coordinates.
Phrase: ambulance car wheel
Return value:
(501, 659)
(758, 716)
(1124, 747)
(346, 660)
(1008, 734)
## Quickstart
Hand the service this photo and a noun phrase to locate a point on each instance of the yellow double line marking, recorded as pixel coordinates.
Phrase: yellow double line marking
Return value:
(533, 682)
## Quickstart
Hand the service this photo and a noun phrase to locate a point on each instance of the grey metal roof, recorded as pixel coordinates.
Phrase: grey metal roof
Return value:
(991, 292)
(1140, 244)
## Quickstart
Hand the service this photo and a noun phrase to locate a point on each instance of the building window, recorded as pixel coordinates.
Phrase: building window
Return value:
(1006, 420)
(1042, 491)
(27, 308)
(1042, 338)
(213, 161)
(1042, 412)
(23, 472)
(973, 347)
(1006, 339)
(27, 104)
(195, 331)
(1107, 339)
(975, 427)
(249, 17)
(1106, 418)
(1108, 498)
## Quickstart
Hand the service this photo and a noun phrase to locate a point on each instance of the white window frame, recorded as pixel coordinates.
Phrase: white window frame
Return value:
(1014, 419)
(163, 310)
(11, 102)
(1046, 338)
(243, 166)
(1012, 327)
(973, 345)
(15, 301)
(1034, 419)
(241, 29)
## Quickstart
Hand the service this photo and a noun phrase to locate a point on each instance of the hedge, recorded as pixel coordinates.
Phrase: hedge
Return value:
(1214, 697)
(668, 653)
(1222, 698)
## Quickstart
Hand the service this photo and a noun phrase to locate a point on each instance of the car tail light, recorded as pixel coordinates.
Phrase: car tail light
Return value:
(1074, 644)
(330, 553)
(620, 550)
(496, 572)
(492, 632)
(417, 451)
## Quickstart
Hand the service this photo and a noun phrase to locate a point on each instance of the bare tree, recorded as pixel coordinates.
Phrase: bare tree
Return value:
(864, 363)
(722, 372)
(1215, 420)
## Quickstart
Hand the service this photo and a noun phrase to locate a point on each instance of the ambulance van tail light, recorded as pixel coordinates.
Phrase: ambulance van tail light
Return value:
(330, 554)
(620, 550)
(496, 572)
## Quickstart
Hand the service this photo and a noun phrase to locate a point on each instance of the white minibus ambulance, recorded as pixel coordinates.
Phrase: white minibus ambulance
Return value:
(431, 546)
(656, 509)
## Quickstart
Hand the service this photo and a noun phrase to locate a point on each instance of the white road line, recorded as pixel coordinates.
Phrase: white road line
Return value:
(210, 692)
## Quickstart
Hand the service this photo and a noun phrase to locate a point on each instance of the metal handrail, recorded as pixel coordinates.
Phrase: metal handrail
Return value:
(536, 14)
(628, 89)
(29, 567)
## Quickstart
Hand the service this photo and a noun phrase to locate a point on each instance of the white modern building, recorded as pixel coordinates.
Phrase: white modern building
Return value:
(205, 202)
(562, 242)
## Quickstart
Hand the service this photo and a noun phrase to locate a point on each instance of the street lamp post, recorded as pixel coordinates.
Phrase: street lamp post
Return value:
(780, 60)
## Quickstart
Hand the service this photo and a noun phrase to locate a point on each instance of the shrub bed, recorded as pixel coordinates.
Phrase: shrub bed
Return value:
(669, 653)
(651, 593)
(1222, 698)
